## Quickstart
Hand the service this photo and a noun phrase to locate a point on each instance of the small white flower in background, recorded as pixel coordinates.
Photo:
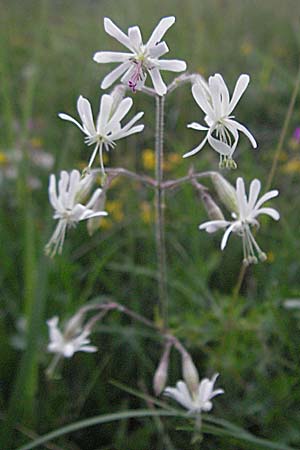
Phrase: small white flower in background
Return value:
(68, 209)
(197, 401)
(72, 339)
(246, 217)
(108, 125)
(142, 58)
(222, 131)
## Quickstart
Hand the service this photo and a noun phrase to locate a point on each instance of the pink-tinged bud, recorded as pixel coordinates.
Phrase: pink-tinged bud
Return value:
(212, 209)
(226, 192)
(161, 374)
(189, 373)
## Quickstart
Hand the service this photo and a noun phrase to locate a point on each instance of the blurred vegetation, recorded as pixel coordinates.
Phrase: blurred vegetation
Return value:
(45, 63)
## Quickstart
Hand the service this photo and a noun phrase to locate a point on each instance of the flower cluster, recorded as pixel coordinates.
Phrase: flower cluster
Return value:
(73, 198)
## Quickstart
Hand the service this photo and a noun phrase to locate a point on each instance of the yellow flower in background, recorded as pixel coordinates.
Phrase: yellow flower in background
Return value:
(36, 142)
(292, 166)
(172, 160)
(146, 212)
(270, 257)
(148, 159)
(115, 209)
(246, 48)
(3, 158)
(293, 144)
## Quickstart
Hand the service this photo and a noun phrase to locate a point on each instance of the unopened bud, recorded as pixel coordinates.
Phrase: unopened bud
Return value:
(74, 324)
(118, 93)
(212, 209)
(86, 184)
(189, 373)
(225, 191)
(161, 374)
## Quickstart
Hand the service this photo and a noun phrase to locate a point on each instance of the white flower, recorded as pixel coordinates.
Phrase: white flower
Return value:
(246, 217)
(141, 59)
(67, 207)
(222, 130)
(197, 401)
(108, 126)
(72, 340)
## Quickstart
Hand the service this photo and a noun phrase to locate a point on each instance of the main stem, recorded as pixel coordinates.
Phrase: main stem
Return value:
(159, 212)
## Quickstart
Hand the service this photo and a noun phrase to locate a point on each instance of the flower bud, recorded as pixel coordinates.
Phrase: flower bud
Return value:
(118, 93)
(161, 374)
(74, 324)
(212, 209)
(189, 373)
(225, 191)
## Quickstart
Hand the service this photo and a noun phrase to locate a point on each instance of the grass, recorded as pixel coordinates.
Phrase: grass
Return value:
(252, 341)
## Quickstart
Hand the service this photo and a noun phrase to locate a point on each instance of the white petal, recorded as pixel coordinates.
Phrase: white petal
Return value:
(226, 236)
(267, 196)
(133, 121)
(197, 126)
(213, 225)
(240, 87)
(224, 94)
(241, 197)
(94, 198)
(201, 98)
(135, 37)
(121, 111)
(158, 84)
(115, 32)
(269, 211)
(52, 192)
(158, 50)
(196, 149)
(219, 146)
(109, 79)
(254, 191)
(86, 115)
(88, 348)
(124, 133)
(104, 112)
(217, 392)
(215, 95)
(244, 130)
(160, 30)
(108, 57)
(64, 116)
(174, 65)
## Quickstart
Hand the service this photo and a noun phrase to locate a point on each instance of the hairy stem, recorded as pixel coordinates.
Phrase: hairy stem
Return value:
(159, 212)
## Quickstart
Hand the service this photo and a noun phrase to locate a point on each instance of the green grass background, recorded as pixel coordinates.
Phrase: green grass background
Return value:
(46, 62)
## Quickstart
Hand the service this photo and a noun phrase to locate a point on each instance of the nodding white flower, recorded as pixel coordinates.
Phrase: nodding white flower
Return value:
(142, 58)
(197, 401)
(245, 218)
(108, 126)
(72, 339)
(222, 129)
(68, 209)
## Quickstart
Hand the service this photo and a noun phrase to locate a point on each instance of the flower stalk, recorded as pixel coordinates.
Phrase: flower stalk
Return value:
(159, 212)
